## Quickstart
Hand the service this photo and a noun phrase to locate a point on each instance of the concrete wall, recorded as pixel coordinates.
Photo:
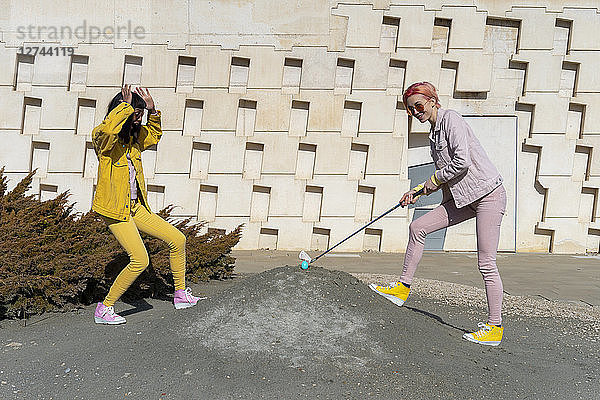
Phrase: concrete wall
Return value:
(287, 116)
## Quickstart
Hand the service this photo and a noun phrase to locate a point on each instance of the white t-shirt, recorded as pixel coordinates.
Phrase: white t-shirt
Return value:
(132, 182)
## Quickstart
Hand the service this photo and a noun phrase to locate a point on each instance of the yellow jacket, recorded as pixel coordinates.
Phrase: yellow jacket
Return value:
(112, 198)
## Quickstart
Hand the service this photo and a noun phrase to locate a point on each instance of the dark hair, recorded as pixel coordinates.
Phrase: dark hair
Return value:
(128, 130)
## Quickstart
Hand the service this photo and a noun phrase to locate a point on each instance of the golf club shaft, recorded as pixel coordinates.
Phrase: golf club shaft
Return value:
(360, 229)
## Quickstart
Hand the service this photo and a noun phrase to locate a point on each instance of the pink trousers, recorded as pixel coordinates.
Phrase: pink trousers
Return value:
(488, 212)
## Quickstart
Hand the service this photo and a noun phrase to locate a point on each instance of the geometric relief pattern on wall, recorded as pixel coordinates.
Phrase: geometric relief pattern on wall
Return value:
(557, 96)
(301, 134)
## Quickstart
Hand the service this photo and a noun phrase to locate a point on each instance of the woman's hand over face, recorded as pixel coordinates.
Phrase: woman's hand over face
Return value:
(147, 98)
(126, 93)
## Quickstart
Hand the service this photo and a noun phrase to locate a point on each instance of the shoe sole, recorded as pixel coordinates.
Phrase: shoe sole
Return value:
(397, 301)
(105, 322)
(181, 306)
(489, 343)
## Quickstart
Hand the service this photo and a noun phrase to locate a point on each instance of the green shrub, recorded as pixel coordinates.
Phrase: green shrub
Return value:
(52, 258)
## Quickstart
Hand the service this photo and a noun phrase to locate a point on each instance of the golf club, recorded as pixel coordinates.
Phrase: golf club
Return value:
(306, 260)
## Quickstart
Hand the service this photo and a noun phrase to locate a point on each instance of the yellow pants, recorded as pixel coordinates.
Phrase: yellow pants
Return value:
(128, 236)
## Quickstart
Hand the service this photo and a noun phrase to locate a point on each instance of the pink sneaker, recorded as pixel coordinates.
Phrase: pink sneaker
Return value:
(106, 315)
(185, 299)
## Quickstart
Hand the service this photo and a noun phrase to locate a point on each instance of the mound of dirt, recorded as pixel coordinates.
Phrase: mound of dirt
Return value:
(299, 316)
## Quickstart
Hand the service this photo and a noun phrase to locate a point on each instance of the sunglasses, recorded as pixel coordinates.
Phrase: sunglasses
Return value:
(417, 108)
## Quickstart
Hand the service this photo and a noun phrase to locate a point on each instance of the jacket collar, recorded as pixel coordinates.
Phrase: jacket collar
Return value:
(438, 123)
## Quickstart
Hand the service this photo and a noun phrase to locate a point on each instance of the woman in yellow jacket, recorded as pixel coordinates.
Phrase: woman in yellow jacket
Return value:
(121, 197)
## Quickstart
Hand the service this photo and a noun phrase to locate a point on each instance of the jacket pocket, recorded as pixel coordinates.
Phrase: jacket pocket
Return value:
(119, 163)
(443, 154)
(137, 164)
(119, 184)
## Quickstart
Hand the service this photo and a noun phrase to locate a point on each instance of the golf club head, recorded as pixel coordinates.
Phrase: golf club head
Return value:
(304, 256)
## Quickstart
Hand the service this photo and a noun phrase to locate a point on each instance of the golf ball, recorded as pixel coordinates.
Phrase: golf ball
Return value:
(304, 265)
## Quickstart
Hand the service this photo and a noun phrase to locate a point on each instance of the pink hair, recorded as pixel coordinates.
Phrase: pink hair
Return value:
(423, 88)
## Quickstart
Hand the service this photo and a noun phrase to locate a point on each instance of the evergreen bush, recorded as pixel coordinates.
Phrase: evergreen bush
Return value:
(52, 258)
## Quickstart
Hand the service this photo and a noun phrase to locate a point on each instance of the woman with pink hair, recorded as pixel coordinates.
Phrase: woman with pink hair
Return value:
(472, 188)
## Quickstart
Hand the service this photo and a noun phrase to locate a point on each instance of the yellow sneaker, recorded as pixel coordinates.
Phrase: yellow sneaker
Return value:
(395, 292)
(487, 334)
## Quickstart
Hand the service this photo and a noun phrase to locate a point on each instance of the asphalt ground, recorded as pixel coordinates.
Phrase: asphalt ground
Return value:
(291, 334)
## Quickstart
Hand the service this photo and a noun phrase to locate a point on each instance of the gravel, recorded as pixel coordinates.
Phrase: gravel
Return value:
(473, 300)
